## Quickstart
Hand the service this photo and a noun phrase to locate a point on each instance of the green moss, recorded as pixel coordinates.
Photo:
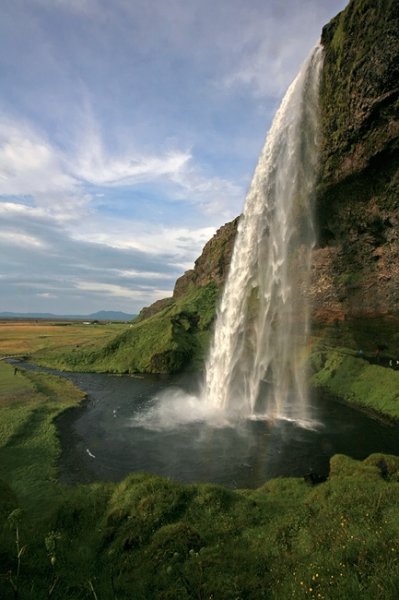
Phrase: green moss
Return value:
(356, 380)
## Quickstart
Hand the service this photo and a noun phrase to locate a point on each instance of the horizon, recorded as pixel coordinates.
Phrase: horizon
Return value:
(32, 314)
(129, 134)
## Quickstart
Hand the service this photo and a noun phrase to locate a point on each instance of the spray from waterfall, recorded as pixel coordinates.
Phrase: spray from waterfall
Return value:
(256, 365)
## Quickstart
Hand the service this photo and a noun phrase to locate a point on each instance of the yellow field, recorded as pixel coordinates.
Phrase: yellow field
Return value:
(27, 337)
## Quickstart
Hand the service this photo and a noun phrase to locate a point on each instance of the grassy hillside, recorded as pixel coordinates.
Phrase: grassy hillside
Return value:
(166, 342)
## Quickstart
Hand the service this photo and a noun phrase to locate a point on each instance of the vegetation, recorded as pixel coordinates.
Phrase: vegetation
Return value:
(149, 537)
(355, 360)
(355, 98)
(354, 379)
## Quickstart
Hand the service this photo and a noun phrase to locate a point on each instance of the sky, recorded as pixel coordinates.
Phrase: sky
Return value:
(129, 132)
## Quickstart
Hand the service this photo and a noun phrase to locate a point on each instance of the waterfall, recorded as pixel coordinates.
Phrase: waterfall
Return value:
(256, 366)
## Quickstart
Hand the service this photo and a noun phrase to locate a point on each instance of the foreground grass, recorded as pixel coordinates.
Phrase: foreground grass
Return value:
(149, 537)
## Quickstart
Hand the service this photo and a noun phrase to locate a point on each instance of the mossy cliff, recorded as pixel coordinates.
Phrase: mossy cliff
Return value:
(355, 279)
(356, 265)
(356, 262)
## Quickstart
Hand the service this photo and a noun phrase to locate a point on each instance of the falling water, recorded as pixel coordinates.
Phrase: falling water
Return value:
(256, 366)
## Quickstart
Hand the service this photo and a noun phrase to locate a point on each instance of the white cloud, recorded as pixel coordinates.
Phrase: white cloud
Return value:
(215, 196)
(274, 42)
(94, 166)
(183, 243)
(55, 179)
(84, 7)
(107, 105)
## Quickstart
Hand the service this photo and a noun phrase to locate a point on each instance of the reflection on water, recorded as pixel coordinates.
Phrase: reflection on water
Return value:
(109, 437)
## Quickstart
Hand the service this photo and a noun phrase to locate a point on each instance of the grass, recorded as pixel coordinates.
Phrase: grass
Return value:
(29, 445)
(45, 338)
(342, 373)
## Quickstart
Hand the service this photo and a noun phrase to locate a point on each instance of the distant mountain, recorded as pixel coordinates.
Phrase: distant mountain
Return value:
(102, 315)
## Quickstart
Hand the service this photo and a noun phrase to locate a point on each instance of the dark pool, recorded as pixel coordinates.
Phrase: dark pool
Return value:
(103, 440)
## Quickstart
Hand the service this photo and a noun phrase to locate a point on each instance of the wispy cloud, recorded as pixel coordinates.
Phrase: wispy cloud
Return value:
(29, 164)
(119, 291)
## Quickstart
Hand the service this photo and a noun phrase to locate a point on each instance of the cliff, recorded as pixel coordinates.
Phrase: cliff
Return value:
(356, 264)
(355, 271)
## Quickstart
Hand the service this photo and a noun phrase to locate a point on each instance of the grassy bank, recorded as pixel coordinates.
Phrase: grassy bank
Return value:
(352, 378)
(149, 537)
(29, 445)
(351, 360)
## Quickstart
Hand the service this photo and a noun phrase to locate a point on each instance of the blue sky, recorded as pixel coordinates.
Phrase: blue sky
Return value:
(129, 132)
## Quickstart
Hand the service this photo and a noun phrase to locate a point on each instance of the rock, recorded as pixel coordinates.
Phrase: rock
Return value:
(356, 263)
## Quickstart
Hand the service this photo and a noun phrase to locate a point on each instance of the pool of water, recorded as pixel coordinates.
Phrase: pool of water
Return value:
(107, 438)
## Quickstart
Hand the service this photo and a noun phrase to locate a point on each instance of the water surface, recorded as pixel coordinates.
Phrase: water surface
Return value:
(103, 440)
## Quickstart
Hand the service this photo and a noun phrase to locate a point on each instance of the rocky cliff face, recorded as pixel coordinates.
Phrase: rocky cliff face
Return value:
(213, 264)
(356, 265)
